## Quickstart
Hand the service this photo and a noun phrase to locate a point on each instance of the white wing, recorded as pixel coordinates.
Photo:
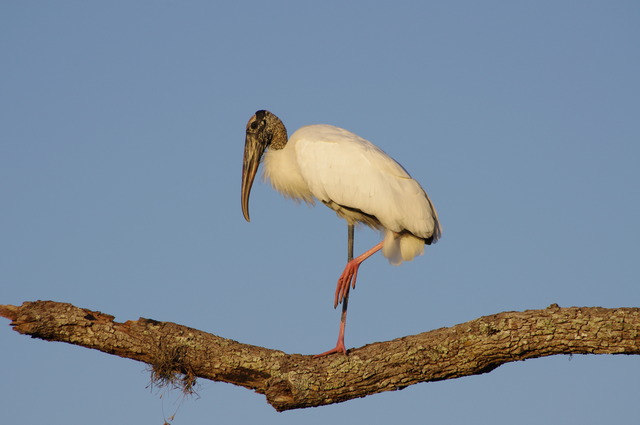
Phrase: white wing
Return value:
(342, 167)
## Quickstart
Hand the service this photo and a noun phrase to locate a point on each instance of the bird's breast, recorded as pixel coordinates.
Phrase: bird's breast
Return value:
(282, 170)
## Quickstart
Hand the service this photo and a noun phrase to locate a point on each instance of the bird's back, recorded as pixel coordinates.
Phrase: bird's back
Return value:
(343, 168)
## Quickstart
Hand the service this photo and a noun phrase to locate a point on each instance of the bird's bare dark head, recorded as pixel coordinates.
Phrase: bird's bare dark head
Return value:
(264, 130)
(268, 129)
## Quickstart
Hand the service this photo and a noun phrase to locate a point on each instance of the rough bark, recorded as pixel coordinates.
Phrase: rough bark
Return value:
(291, 381)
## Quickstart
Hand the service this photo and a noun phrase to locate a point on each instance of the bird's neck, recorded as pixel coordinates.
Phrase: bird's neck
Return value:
(279, 135)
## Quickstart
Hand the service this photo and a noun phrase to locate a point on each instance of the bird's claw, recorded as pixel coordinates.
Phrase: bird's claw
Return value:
(339, 348)
(347, 279)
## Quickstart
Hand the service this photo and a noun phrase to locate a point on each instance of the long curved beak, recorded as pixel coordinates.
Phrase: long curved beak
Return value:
(253, 150)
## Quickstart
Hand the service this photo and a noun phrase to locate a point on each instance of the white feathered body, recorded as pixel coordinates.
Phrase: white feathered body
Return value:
(360, 182)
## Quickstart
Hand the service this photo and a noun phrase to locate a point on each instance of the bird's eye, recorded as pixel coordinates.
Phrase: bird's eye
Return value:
(254, 125)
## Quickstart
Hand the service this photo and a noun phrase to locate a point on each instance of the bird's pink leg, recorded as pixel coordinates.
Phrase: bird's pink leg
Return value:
(339, 348)
(348, 277)
(345, 282)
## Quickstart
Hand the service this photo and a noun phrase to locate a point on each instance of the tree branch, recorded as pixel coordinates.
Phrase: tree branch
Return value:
(292, 381)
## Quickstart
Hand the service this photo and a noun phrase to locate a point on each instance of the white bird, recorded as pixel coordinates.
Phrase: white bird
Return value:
(350, 175)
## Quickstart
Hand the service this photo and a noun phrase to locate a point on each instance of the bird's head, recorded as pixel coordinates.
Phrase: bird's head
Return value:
(263, 130)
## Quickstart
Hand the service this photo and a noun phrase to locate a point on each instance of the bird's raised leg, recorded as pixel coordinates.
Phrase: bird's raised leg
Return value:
(347, 280)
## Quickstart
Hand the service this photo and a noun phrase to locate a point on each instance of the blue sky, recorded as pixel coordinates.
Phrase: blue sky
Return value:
(121, 139)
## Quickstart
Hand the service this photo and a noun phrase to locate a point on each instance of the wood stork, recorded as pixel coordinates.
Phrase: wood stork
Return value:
(350, 175)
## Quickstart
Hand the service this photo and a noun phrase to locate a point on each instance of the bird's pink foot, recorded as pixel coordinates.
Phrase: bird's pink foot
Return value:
(347, 279)
(339, 348)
